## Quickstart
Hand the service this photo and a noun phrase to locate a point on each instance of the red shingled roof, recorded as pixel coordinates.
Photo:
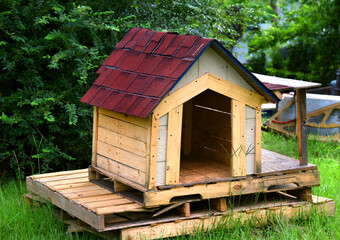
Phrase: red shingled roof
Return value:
(142, 68)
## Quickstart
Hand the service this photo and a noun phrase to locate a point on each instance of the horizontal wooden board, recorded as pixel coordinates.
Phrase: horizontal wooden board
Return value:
(123, 128)
(77, 195)
(122, 156)
(107, 203)
(80, 189)
(142, 122)
(61, 173)
(70, 186)
(122, 170)
(63, 177)
(106, 197)
(121, 141)
(120, 208)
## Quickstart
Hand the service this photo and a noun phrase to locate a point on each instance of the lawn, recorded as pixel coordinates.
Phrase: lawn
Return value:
(21, 221)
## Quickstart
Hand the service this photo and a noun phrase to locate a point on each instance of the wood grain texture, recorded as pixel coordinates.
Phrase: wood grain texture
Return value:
(238, 140)
(122, 156)
(122, 141)
(173, 153)
(152, 164)
(258, 149)
(123, 128)
(214, 83)
(187, 127)
(301, 125)
(122, 170)
(95, 136)
(161, 150)
(141, 122)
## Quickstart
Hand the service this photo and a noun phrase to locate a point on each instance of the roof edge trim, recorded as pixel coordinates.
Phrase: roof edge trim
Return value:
(192, 64)
(256, 80)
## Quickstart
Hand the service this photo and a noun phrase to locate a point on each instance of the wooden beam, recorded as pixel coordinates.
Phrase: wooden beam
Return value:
(214, 83)
(220, 204)
(152, 164)
(182, 95)
(238, 140)
(95, 136)
(306, 194)
(301, 125)
(258, 149)
(184, 209)
(187, 118)
(173, 151)
(231, 90)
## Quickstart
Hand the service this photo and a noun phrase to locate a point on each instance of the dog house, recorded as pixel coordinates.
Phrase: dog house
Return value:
(176, 115)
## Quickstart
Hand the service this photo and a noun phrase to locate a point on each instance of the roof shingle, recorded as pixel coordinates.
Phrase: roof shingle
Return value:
(144, 66)
(141, 69)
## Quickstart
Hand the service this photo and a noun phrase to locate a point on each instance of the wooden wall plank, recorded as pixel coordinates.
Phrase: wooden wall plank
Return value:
(187, 127)
(250, 140)
(122, 156)
(95, 136)
(238, 160)
(173, 153)
(142, 122)
(122, 170)
(152, 164)
(123, 128)
(121, 141)
(161, 149)
(258, 148)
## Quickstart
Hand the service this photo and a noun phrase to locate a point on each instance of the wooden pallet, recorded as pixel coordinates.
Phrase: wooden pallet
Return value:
(145, 227)
(104, 210)
(279, 173)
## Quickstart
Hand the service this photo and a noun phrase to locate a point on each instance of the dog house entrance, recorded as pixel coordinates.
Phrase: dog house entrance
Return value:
(206, 138)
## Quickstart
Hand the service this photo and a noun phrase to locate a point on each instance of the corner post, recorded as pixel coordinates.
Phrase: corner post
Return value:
(95, 136)
(301, 125)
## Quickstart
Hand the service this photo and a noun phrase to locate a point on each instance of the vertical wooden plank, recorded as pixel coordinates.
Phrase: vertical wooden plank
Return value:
(187, 118)
(173, 153)
(161, 149)
(258, 149)
(95, 136)
(301, 125)
(238, 140)
(152, 164)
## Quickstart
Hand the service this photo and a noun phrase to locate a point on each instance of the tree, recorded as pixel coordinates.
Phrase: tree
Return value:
(303, 44)
(50, 52)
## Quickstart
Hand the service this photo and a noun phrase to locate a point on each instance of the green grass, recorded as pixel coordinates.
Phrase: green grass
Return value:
(19, 220)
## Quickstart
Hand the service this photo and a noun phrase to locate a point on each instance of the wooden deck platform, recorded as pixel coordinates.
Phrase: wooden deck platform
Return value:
(195, 170)
(104, 212)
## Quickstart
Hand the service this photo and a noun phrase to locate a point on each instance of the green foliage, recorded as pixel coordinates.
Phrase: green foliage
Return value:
(49, 53)
(302, 42)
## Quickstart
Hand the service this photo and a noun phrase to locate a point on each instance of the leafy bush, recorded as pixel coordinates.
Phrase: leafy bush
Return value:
(49, 54)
